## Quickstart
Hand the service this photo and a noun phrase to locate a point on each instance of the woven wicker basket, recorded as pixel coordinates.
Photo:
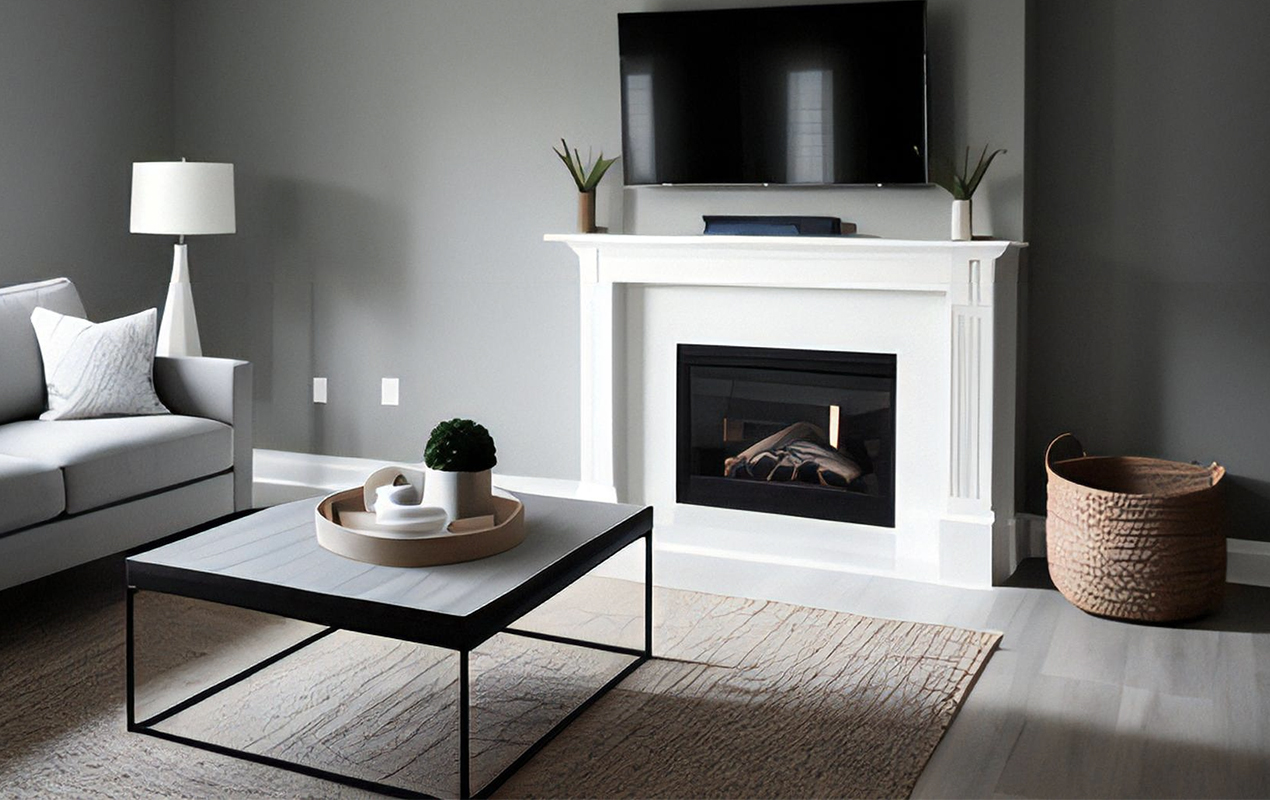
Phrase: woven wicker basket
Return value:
(1135, 538)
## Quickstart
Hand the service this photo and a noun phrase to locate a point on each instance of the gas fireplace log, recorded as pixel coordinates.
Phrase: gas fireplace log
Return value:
(800, 452)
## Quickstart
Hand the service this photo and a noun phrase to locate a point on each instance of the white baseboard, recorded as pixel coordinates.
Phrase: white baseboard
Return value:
(1248, 562)
(1029, 531)
(281, 476)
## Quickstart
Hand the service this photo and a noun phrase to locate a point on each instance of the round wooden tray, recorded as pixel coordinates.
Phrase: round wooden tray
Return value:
(442, 548)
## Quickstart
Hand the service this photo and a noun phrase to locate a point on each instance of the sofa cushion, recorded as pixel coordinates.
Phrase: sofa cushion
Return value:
(30, 492)
(21, 373)
(116, 458)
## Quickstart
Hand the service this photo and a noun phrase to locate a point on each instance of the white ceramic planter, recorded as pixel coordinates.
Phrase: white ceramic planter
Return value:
(961, 220)
(461, 494)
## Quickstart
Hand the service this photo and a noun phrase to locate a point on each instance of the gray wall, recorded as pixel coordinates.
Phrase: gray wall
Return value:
(85, 90)
(395, 179)
(1149, 329)
(394, 183)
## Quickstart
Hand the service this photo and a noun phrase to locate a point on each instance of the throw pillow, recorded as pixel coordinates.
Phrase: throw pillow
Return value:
(97, 369)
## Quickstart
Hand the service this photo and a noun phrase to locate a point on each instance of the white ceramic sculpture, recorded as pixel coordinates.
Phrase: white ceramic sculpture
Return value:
(395, 496)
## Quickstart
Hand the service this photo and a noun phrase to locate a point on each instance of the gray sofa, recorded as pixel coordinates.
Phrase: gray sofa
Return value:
(75, 490)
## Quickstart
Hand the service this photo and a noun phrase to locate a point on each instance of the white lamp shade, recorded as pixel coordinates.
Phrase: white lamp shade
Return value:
(182, 198)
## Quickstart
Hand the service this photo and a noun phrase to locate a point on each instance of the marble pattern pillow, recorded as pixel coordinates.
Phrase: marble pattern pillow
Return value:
(101, 369)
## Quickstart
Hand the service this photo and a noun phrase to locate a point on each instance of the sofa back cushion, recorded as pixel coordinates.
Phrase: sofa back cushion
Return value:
(22, 392)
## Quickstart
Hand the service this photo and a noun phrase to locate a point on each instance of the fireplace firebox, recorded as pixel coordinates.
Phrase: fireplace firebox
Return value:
(805, 433)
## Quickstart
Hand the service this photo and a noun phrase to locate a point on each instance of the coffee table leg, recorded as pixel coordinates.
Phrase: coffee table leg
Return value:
(640, 656)
(648, 594)
(465, 729)
(131, 667)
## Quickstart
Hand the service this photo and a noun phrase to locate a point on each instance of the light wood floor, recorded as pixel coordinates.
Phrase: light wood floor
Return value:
(1070, 705)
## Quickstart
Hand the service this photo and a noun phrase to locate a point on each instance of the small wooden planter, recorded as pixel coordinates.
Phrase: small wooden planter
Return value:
(1135, 538)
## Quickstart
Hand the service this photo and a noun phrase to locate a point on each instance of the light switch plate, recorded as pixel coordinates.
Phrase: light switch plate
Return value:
(389, 393)
(319, 390)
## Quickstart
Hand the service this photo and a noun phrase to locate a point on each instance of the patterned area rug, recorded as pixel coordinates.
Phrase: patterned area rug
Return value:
(745, 699)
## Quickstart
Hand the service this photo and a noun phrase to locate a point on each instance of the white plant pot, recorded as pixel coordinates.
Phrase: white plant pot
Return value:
(961, 221)
(461, 494)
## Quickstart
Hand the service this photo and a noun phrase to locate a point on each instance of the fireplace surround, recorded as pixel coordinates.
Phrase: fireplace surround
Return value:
(947, 311)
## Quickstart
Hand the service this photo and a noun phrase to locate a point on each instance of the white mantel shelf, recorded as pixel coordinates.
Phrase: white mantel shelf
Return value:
(772, 242)
(948, 310)
(828, 262)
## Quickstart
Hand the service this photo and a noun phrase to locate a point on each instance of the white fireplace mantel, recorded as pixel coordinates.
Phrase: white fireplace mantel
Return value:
(948, 310)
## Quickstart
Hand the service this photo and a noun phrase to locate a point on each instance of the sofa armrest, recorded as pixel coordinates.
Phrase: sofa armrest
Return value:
(215, 388)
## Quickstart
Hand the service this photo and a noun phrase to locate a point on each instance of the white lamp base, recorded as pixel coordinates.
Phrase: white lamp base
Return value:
(178, 330)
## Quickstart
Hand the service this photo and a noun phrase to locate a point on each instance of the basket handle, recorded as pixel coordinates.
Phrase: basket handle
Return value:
(1217, 472)
(1065, 446)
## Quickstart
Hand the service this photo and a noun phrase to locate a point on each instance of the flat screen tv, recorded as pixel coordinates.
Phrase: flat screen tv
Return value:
(808, 95)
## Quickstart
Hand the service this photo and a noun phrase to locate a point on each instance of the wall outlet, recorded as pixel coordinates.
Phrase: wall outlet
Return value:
(389, 394)
(319, 390)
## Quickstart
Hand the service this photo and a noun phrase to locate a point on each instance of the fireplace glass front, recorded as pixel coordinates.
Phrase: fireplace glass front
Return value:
(804, 433)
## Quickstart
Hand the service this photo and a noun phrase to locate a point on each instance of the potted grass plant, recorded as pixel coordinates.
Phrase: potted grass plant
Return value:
(587, 176)
(962, 185)
(459, 456)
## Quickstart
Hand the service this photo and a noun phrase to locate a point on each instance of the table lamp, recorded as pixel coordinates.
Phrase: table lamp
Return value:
(181, 198)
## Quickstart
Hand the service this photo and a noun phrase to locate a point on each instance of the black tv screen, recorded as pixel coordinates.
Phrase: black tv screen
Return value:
(827, 94)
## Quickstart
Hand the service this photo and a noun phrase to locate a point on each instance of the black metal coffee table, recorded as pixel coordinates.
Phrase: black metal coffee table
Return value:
(270, 561)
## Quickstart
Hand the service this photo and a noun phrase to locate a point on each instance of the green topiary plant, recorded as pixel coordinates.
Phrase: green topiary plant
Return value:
(586, 176)
(460, 445)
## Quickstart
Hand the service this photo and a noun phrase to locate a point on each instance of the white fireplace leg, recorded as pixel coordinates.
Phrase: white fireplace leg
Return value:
(597, 319)
(974, 535)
